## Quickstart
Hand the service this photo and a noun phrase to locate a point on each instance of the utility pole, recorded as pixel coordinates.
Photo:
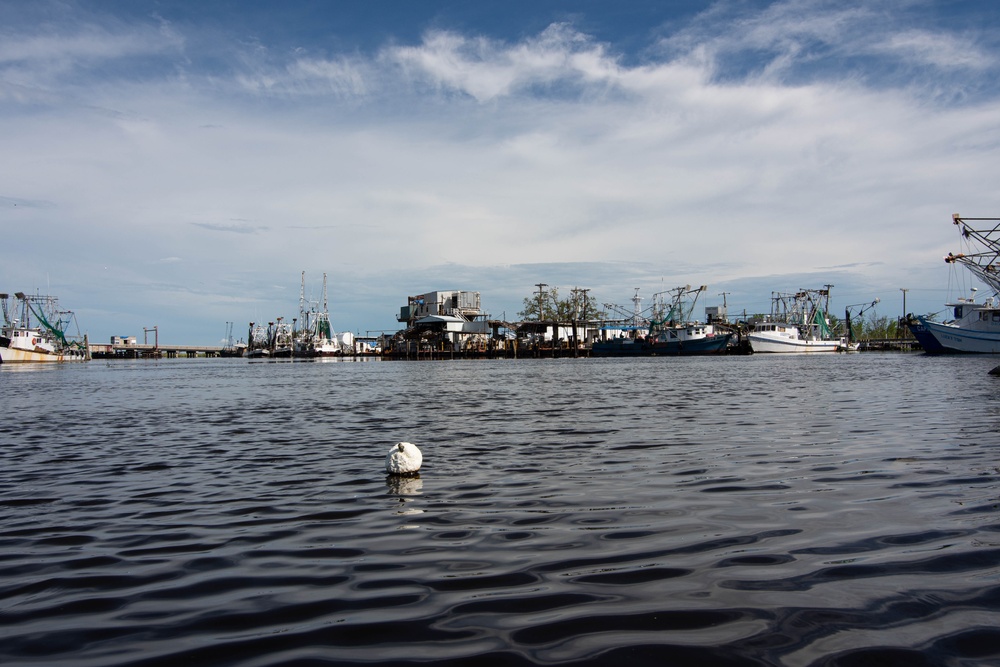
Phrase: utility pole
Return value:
(576, 315)
(902, 320)
(541, 291)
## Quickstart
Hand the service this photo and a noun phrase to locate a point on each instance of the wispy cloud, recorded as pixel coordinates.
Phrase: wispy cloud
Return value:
(486, 69)
(747, 141)
(808, 40)
(36, 64)
(234, 227)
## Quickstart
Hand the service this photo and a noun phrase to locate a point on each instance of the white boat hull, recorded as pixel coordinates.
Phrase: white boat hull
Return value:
(767, 344)
(963, 339)
(9, 355)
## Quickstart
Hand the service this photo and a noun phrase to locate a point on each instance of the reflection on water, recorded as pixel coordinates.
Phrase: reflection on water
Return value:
(752, 510)
(400, 485)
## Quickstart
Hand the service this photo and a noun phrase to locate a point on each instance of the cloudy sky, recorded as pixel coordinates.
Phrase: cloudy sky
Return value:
(181, 164)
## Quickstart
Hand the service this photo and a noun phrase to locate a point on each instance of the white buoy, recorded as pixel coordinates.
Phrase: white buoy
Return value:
(403, 459)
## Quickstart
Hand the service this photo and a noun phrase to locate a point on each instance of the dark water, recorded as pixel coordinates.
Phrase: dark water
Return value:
(837, 510)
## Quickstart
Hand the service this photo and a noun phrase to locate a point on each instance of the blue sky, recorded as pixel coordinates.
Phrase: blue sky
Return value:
(180, 164)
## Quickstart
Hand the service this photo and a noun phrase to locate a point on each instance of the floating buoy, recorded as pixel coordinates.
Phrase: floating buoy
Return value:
(403, 459)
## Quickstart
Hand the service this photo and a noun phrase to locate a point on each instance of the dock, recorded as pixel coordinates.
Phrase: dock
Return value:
(159, 351)
(154, 351)
(890, 345)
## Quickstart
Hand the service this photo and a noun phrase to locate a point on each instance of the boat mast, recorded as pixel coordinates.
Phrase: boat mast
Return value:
(983, 262)
(302, 302)
(636, 308)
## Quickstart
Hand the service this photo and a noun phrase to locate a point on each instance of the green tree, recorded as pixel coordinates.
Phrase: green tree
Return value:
(578, 305)
(880, 327)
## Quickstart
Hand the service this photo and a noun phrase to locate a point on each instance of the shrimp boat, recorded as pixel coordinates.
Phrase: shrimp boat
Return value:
(798, 323)
(670, 331)
(976, 324)
(274, 342)
(34, 330)
(258, 342)
(316, 338)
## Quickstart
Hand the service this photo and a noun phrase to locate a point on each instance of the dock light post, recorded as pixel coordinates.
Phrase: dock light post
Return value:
(902, 320)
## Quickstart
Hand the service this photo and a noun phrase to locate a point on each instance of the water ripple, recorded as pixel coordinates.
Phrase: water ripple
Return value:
(733, 511)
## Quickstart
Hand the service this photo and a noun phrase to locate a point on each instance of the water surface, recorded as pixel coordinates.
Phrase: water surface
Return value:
(763, 510)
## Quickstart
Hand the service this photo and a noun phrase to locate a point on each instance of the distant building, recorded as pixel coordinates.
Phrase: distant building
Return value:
(716, 314)
(445, 319)
(452, 303)
(127, 341)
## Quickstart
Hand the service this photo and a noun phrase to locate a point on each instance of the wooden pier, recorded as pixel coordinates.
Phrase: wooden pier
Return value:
(890, 345)
(150, 351)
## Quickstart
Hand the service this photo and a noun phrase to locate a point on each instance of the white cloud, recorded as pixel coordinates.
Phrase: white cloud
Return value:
(486, 69)
(940, 50)
(548, 154)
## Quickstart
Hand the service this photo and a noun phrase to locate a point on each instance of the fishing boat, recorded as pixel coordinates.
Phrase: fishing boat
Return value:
(976, 325)
(316, 338)
(928, 343)
(974, 329)
(274, 342)
(35, 330)
(282, 340)
(258, 342)
(689, 339)
(798, 323)
(669, 330)
(230, 347)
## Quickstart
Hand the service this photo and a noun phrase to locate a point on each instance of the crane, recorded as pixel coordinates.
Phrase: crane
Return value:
(847, 316)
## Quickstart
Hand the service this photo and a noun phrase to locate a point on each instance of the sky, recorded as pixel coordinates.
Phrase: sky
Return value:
(180, 165)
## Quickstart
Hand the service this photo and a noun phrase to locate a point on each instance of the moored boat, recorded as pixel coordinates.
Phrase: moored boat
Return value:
(686, 340)
(928, 343)
(670, 331)
(798, 323)
(34, 330)
(258, 342)
(316, 338)
(767, 337)
(975, 328)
